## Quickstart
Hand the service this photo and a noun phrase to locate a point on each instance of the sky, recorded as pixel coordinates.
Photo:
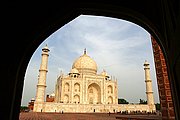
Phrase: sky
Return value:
(118, 46)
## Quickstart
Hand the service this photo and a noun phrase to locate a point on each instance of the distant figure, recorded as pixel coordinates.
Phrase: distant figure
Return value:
(94, 110)
(41, 110)
(62, 111)
(109, 113)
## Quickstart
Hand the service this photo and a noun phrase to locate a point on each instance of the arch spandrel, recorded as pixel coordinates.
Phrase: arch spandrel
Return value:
(94, 82)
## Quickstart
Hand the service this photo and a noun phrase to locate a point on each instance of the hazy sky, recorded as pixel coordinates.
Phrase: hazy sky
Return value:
(118, 46)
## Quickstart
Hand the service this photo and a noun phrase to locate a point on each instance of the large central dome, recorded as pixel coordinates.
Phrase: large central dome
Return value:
(84, 64)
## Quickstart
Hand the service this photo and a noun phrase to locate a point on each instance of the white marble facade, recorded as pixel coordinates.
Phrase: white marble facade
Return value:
(82, 90)
(84, 86)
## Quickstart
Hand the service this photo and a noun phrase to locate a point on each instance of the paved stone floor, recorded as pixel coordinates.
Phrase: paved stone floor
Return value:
(83, 116)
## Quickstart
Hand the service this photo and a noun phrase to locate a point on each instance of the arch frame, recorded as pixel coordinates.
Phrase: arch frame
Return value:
(39, 31)
(97, 94)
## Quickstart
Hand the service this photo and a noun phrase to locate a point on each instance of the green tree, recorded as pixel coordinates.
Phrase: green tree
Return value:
(122, 101)
(24, 108)
(158, 106)
(141, 101)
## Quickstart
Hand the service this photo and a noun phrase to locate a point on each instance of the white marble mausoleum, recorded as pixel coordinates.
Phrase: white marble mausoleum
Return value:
(85, 90)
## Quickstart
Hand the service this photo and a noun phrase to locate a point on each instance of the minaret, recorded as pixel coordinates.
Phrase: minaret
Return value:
(41, 86)
(149, 92)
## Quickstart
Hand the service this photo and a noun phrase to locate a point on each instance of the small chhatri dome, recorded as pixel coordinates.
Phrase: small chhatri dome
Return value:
(53, 94)
(104, 73)
(32, 99)
(45, 49)
(85, 64)
(146, 63)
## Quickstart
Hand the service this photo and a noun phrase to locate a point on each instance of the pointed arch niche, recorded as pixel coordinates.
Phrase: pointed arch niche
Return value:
(94, 94)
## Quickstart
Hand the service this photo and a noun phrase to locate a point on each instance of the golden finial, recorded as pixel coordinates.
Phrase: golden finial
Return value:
(84, 50)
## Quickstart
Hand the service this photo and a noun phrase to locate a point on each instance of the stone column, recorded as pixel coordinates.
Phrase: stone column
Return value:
(72, 92)
(116, 93)
(149, 92)
(41, 86)
(164, 87)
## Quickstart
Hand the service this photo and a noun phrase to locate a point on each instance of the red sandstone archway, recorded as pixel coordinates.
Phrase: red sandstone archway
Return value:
(41, 22)
(164, 87)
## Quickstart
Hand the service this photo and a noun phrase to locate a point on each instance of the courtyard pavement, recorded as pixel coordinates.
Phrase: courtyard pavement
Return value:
(83, 116)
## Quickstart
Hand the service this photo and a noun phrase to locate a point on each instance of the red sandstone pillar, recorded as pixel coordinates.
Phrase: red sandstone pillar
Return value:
(164, 89)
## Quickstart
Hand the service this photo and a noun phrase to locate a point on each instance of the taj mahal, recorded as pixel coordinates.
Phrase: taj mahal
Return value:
(84, 90)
